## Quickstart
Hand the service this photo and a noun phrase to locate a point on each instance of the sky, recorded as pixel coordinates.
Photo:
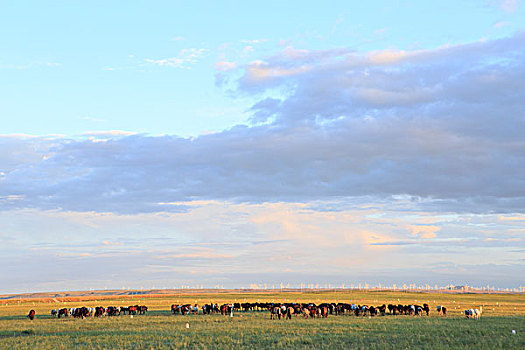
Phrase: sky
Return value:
(166, 143)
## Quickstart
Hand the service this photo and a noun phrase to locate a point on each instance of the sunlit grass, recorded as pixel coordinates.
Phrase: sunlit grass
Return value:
(160, 329)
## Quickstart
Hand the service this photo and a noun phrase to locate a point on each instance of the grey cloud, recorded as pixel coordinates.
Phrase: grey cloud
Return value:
(444, 125)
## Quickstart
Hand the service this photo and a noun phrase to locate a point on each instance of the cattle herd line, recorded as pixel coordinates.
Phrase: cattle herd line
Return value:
(286, 310)
(276, 310)
(99, 311)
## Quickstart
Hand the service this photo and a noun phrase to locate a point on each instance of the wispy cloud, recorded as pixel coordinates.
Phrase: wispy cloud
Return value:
(185, 59)
(501, 24)
(254, 41)
(224, 66)
(91, 119)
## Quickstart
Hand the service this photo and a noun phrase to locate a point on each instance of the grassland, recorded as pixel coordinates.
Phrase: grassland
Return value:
(159, 329)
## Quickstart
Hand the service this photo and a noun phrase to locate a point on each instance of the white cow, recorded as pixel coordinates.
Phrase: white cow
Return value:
(474, 313)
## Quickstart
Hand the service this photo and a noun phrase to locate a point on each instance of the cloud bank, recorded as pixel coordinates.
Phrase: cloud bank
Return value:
(392, 155)
(444, 124)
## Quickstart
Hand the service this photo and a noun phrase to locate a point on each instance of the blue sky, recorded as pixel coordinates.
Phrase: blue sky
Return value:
(71, 67)
(194, 143)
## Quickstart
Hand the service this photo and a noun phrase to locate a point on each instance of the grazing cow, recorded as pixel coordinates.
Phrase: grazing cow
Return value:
(439, 309)
(112, 311)
(342, 308)
(132, 310)
(306, 312)
(249, 306)
(206, 309)
(185, 309)
(31, 315)
(474, 313)
(62, 312)
(418, 310)
(275, 311)
(289, 312)
(80, 312)
(99, 311)
(364, 310)
(372, 311)
(382, 309)
(412, 310)
(313, 310)
(54, 312)
(142, 309)
(477, 312)
(322, 311)
(225, 309)
(426, 308)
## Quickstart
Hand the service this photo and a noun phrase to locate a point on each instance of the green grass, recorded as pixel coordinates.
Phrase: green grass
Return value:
(159, 329)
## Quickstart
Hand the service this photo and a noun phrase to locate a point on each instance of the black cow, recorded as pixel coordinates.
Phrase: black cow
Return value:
(31, 315)
(62, 312)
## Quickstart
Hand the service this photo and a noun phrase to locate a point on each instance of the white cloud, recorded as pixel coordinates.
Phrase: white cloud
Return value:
(224, 66)
(185, 59)
(254, 41)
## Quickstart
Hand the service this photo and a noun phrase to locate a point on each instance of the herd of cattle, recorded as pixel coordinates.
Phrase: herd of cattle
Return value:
(99, 311)
(286, 310)
(277, 310)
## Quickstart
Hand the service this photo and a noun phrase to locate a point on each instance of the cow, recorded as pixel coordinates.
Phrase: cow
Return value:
(80, 312)
(142, 309)
(54, 312)
(341, 308)
(372, 311)
(477, 313)
(426, 308)
(62, 312)
(322, 311)
(99, 311)
(442, 310)
(132, 310)
(206, 309)
(275, 311)
(31, 315)
(112, 311)
(306, 312)
(248, 306)
(225, 309)
(313, 310)
(289, 312)
(474, 313)
(382, 309)
(418, 310)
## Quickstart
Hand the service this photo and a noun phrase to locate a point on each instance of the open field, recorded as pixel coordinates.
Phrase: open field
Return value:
(159, 329)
